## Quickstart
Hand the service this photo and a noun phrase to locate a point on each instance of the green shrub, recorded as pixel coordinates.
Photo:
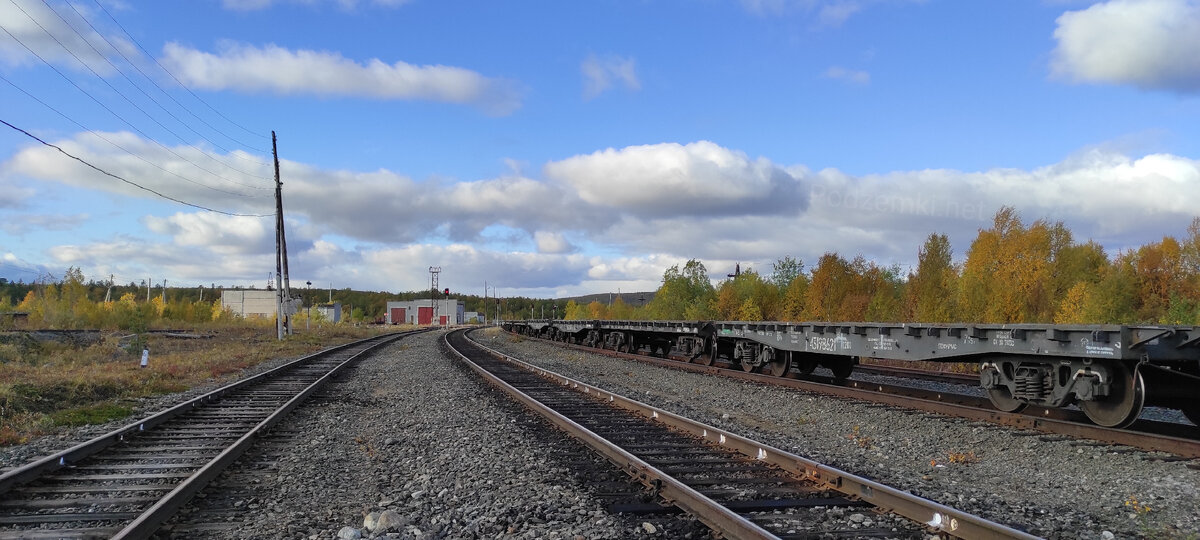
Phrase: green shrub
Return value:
(94, 414)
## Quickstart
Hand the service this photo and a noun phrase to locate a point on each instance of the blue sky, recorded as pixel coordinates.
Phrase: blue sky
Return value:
(559, 148)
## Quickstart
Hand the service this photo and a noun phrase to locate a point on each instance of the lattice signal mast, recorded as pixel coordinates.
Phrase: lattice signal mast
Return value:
(433, 283)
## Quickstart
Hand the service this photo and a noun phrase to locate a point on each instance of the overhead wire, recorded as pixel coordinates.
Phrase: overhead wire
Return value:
(113, 88)
(184, 86)
(118, 116)
(122, 148)
(117, 50)
(130, 182)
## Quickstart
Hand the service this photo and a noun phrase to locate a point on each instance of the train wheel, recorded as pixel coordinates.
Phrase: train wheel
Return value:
(841, 368)
(806, 367)
(779, 364)
(1003, 400)
(1124, 403)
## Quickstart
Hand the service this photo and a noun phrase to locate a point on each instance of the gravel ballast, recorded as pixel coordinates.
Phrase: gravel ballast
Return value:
(410, 444)
(1049, 486)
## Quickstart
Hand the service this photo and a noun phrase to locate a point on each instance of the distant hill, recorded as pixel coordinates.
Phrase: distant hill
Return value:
(631, 298)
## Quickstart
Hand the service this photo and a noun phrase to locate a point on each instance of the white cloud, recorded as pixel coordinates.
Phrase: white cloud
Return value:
(848, 75)
(278, 70)
(34, 24)
(669, 179)
(551, 242)
(612, 219)
(1150, 44)
(601, 73)
(226, 235)
(255, 5)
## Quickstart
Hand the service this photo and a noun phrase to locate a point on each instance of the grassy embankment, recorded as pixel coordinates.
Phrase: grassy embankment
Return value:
(48, 386)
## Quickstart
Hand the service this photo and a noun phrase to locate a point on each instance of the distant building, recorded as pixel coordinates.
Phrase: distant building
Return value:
(331, 312)
(420, 312)
(254, 304)
(472, 317)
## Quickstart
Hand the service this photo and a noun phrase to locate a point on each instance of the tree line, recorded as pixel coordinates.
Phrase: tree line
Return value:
(1013, 272)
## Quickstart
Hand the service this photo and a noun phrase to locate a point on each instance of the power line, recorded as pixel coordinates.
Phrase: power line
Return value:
(110, 85)
(134, 184)
(152, 81)
(184, 86)
(85, 39)
(122, 148)
(114, 113)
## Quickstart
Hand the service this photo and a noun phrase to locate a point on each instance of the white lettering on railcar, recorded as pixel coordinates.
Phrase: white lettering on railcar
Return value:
(882, 343)
(1004, 339)
(833, 344)
(948, 346)
(1099, 350)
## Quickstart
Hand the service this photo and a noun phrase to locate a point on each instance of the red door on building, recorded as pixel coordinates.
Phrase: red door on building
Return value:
(398, 314)
(443, 320)
(424, 315)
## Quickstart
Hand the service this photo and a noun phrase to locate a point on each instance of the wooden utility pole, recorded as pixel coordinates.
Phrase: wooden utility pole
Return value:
(278, 243)
(286, 284)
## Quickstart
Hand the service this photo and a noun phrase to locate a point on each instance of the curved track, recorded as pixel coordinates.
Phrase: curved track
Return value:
(126, 483)
(738, 487)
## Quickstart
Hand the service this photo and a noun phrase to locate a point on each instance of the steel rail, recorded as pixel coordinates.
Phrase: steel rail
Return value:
(717, 517)
(64, 458)
(1185, 443)
(935, 516)
(150, 520)
(144, 524)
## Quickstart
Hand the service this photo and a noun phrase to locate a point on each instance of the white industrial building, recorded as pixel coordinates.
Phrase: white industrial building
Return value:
(420, 312)
(331, 312)
(254, 304)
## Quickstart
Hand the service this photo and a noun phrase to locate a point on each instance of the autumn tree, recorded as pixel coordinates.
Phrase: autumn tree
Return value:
(1006, 277)
(747, 293)
(930, 292)
(792, 284)
(685, 294)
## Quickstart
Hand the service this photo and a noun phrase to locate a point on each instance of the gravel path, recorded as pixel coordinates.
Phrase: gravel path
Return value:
(414, 443)
(1049, 486)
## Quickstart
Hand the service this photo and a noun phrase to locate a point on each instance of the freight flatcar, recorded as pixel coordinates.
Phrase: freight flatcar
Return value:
(1111, 372)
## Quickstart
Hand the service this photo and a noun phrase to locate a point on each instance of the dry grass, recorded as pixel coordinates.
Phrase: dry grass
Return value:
(45, 386)
(948, 367)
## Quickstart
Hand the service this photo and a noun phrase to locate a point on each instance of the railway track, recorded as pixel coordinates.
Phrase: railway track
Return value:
(738, 487)
(126, 483)
(1178, 439)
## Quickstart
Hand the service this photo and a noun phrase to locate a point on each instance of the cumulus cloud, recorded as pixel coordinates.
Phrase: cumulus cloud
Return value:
(615, 218)
(225, 182)
(68, 43)
(255, 5)
(278, 70)
(600, 73)
(670, 179)
(225, 235)
(1150, 44)
(852, 76)
(551, 242)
